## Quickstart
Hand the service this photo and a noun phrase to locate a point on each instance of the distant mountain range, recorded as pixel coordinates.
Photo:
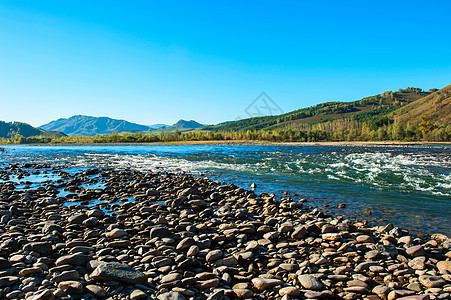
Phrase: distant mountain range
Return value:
(182, 125)
(90, 126)
(11, 129)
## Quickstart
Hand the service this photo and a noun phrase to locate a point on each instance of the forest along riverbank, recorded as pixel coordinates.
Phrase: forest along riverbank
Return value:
(175, 236)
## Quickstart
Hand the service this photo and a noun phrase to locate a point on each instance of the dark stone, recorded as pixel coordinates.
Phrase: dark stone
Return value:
(4, 264)
(43, 248)
(77, 219)
(160, 232)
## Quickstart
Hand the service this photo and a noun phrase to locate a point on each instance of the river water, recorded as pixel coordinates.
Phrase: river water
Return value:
(407, 186)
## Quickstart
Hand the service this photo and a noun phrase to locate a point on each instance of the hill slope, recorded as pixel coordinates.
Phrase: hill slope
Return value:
(87, 125)
(372, 107)
(9, 130)
(405, 115)
(435, 107)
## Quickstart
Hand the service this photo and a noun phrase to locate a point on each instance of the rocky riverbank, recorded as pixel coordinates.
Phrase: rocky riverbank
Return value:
(134, 235)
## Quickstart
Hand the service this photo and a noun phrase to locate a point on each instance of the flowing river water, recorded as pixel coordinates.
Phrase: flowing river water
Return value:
(407, 186)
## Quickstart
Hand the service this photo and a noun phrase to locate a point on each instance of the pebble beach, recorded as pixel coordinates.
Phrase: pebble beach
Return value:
(125, 234)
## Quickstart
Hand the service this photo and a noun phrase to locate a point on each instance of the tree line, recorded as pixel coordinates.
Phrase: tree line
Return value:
(335, 130)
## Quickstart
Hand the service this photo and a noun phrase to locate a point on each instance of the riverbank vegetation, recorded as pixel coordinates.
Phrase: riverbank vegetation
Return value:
(409, 115)
(340, 130)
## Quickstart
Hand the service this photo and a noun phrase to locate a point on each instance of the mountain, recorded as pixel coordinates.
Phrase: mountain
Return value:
(90, 126)
(10, 129)
(182, 125)
(156, 126)
(373, 109)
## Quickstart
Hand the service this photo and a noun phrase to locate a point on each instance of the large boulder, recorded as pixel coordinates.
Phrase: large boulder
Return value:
(118, 272)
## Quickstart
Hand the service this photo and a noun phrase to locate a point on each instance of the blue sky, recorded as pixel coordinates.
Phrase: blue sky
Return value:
(152, 62)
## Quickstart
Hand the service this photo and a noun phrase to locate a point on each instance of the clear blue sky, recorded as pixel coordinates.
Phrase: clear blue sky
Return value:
(154, 62)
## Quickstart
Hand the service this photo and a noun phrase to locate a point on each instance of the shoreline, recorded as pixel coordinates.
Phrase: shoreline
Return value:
(166, 235)
(187, 236)
(254, 143)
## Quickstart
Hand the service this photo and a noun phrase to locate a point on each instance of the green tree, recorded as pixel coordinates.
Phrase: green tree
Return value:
(426, 125)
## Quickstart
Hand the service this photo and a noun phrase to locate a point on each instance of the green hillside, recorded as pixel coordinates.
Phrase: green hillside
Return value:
(409, 114)
(12, 129)
(367, 108)
(431, 114)
(181, 126)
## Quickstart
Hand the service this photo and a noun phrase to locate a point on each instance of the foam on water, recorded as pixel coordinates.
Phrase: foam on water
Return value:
(407, 184)
(408, 171)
